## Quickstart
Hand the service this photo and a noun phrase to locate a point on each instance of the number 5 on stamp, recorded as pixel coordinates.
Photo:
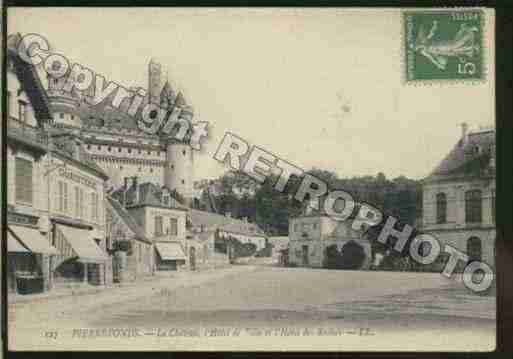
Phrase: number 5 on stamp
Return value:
(443, 45)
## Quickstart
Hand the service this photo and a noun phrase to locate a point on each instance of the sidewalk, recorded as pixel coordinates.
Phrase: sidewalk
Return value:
(140, 287)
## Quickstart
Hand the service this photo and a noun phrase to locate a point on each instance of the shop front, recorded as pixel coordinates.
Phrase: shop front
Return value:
(82, 259)
(169, 255)
(29, 257)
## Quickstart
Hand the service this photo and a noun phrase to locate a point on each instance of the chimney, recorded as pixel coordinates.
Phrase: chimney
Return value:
(464, 132)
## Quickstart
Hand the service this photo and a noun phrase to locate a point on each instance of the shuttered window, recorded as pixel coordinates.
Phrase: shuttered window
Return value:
(22, 111)
(62, 197)
(158, 226)
(24, 184)
(173, 226)
(94, 206)
(77, 202)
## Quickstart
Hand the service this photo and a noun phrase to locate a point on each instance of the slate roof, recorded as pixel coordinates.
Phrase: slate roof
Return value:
(470, 157)
(146, 194)
(63, 145)
(218, 221)
(30, 81)
(128, 219)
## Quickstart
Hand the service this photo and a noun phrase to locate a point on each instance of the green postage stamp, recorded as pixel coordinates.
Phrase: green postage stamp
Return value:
(444, 45)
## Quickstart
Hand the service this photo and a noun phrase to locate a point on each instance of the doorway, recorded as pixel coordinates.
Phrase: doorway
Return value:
(305, 254)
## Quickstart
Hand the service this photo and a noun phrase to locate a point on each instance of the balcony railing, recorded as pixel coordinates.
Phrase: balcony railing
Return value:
(26, 131)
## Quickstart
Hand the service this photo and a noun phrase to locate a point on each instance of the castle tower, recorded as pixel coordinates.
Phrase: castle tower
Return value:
(65, 104)
(154, 81)
(179, 167)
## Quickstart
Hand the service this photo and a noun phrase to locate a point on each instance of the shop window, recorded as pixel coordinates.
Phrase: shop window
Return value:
(24, 181)
(441, 208)
(473, 206)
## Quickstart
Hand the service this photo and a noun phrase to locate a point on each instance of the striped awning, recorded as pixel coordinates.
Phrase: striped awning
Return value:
(13, 245)
(32, 239)
(83, 244)
(170, 251)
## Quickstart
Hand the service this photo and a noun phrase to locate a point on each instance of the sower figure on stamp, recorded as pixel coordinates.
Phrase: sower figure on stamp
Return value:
(463, 44)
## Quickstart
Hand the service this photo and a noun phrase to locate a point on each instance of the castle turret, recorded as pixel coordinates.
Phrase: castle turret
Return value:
(179, 171)
(154, 82)
(64, 103)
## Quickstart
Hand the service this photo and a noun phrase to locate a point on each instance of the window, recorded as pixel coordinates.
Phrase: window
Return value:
(441, 208)
(183, 181)
(173, 226)
(88, 147)
(158, 226)
(473, 206)
(183, 152)
(94, 207)
(61, 115)
(24, 182)
(129, 150)
(474, 249)
(296, 227)
(82, 203)
(77, 202)
(165, 200)
(149, 152)
(119, 149)
(109, 148)
(99, 148)
(22, 111)
(63, 197)
(8, 103)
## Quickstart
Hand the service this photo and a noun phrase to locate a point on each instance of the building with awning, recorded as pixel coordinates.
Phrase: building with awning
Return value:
(170, 251)
(30, 238)
(83, 245)
(14, 245)
(27, 250)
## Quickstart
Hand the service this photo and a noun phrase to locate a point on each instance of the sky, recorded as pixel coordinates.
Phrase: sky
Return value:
(317, 87)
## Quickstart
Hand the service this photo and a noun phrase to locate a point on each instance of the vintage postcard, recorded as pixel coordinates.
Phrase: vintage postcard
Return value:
(250, 179)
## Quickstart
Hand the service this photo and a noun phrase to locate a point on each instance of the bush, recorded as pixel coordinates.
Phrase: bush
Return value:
(353, 255)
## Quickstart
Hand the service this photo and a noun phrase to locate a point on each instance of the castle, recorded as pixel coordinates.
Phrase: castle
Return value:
(114, 142)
